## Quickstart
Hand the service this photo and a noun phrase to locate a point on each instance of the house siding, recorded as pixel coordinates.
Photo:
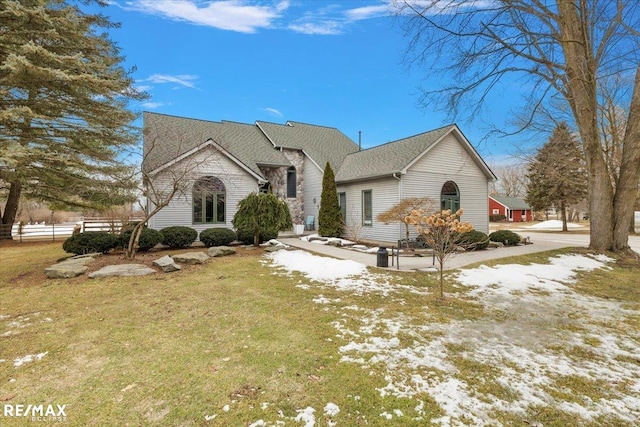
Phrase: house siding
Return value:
(210, 162)
(516, 215)
(385, 195)
(449, 161)
(312, 189)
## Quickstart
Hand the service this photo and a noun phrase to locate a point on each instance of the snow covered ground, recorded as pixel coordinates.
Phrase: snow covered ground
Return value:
(554, 225)
(533, 339)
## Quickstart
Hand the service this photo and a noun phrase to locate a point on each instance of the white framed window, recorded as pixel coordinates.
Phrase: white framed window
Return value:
(209, 201)
(367, 208)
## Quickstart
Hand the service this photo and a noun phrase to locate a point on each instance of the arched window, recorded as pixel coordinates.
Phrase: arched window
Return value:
(450, 196)
(291, 182)
(209, 200)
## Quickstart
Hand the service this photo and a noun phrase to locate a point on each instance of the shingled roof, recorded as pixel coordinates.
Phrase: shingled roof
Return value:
(169, 137)
(387, 159)
(321, 143)
(513, 203)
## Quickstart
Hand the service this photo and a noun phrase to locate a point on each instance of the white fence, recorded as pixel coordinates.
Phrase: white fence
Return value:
(53, 232)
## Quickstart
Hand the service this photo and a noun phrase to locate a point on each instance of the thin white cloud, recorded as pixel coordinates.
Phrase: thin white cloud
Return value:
(323, 28)
(273, 111)
(185, 80)
(152, 105)
(368, 12)
(334, 19)
(143, 88)
(231, 15)
(430, 7)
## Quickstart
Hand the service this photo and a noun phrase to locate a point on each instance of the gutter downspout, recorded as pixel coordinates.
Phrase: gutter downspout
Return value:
(399, 178)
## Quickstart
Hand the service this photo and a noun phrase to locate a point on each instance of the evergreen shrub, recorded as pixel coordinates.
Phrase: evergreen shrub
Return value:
(217, 237)
(246, 236)
(148, 239)
(474, 240)
(90, 242)
(178, 236)
(508, 237)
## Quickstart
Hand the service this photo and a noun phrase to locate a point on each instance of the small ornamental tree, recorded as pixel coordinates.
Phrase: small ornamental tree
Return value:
(330, 221)
(441, 231)
(401, 211)
(261, 212)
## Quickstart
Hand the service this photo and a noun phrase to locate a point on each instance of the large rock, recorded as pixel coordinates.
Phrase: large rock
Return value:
(217, 251)
(70, 267)
(122, 270)
(166, 264)
(274, 248)
(65, 270)
(191, 258)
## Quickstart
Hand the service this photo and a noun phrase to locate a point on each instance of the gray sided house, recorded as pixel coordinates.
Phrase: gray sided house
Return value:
(220, 163)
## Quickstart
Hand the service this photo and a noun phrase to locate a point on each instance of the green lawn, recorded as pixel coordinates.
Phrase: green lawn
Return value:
(236, 341)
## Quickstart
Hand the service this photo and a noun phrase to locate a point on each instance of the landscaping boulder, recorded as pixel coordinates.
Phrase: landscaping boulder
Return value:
(274, 248)
(166, 264)
(70, 267)
(65, 270)
(217, 251)
(191, 258)
(122, 270)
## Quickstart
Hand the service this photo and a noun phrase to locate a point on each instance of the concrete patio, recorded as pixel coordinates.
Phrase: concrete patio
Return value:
(541, 242)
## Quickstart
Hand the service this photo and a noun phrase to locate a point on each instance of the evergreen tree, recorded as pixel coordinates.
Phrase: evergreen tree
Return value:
(64, 123)
(262, 212)
(557, 175)
(330, 222)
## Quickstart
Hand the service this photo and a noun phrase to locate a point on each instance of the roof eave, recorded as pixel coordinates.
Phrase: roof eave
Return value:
(370, 177)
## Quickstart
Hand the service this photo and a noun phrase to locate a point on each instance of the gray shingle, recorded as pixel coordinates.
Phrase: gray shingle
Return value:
(167, 137)
(388, 158)
(513, 203)
(321, 143)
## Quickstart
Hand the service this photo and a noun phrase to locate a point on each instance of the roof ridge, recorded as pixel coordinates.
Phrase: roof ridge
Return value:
(233, 122)
(182, 117)
(403, 139)
(311, 124)
(270, 123)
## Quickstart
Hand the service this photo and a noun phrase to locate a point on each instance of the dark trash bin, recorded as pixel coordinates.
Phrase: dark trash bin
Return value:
(383, 257)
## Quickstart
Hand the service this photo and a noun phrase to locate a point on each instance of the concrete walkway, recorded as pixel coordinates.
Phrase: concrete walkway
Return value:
(541, 242)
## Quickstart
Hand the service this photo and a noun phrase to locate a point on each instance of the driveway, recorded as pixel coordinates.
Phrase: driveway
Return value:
(541, 242)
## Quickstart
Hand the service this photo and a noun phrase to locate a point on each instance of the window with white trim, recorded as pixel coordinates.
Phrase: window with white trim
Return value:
(209, 201)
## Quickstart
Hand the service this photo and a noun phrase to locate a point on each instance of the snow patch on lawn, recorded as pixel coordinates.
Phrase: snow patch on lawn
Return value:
(554, 224)
(344, 275)
(29, 358)
(527, 353)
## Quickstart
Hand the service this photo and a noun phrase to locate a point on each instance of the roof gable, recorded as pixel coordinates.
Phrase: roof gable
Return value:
(320, 143)
(514, 203)
(397, 156)
(167, 138)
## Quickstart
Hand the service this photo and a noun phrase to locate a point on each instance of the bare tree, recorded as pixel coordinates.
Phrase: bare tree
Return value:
(512, 180)
(563, 49)
(162, 185)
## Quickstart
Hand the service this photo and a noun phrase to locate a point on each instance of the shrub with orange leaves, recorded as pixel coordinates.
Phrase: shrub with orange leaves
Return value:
(441, 230)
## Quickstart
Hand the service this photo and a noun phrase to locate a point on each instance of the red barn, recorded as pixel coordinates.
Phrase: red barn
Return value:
(513, 208)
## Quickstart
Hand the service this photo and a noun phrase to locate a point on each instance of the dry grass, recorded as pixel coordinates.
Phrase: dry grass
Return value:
(172, 349)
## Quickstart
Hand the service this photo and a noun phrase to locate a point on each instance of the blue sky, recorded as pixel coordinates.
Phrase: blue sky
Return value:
(333, 63)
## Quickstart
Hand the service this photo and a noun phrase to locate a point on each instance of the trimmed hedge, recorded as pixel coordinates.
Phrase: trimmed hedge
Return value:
(90, 242)
(474, 240)
(508, 237)
(246, 236)
(148, 239)
(178, 236)
(217, 237)
(497, 218)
